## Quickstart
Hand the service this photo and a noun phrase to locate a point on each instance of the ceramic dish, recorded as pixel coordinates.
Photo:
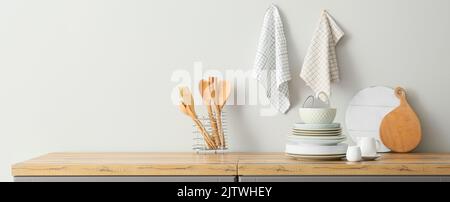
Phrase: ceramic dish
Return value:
(340, 149)
(318, 137)
(371, 158)
(299, 141)
(317, 115)
(319, 158)
(317, 131)
(317, 134)
(304, 126)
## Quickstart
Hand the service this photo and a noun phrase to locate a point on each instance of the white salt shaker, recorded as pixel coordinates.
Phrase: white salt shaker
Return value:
(354, 154)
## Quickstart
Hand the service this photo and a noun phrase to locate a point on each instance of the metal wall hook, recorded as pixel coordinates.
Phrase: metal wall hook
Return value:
(313, 99)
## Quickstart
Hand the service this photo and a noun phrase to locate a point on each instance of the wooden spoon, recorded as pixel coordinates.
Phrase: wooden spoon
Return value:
(205, 92)
(222, 91)
(187, 107)
(400, 130)
(187, 98)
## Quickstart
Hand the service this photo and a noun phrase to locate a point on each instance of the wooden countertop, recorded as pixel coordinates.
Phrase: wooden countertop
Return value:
(127, 164)
(387, 165)
(229, 164)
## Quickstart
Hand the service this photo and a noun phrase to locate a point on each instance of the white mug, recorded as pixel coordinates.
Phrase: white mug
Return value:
(354, 154)
(368, 146)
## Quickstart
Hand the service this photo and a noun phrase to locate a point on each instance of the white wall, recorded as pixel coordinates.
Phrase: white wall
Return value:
(94, 75)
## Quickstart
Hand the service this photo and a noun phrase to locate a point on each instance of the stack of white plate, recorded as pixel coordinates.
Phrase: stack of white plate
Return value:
(317, 141)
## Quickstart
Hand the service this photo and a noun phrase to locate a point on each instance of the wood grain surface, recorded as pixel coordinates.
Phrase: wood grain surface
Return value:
(400, 130)
(388, 164)
(127, 164)
(229, 164)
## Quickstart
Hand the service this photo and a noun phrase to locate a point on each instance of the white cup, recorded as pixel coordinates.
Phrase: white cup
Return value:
(368, 146)
(354, 154)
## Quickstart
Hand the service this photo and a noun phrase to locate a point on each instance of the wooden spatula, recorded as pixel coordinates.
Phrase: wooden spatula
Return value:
(400, 130)
(221, 93)
(205, 92)
(188, 108)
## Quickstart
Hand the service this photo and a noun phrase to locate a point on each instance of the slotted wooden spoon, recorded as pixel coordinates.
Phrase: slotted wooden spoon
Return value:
(220, 93)
(205, 92)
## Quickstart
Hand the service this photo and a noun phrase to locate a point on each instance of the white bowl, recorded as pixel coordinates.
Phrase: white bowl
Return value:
(317, 115)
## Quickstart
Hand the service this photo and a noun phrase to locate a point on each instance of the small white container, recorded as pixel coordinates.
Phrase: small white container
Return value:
(354, 154)
(368, 146)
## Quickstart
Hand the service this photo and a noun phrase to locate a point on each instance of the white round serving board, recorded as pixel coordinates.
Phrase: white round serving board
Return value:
(367, 110)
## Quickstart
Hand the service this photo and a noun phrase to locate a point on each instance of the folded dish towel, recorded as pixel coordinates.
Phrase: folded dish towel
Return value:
(271, 65)
(320, 67)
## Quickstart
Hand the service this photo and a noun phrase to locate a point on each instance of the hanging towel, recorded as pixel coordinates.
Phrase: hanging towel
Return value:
(271, 65)
(320, 67)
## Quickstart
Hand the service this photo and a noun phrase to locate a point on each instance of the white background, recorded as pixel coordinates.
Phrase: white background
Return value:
(94, 75)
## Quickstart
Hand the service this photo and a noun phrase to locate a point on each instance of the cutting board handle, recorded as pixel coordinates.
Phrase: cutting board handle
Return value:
(401, 94)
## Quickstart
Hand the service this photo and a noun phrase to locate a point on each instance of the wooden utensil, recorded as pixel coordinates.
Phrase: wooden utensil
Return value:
(187, 98)
(188, 108)
(205, 92)
(221, 93)
(400, 130)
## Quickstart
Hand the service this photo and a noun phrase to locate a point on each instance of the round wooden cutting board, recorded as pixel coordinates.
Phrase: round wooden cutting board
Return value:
(400, 130)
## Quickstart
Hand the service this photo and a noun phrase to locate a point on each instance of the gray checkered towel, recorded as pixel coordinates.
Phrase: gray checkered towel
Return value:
(320, 67)
(271, 65)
